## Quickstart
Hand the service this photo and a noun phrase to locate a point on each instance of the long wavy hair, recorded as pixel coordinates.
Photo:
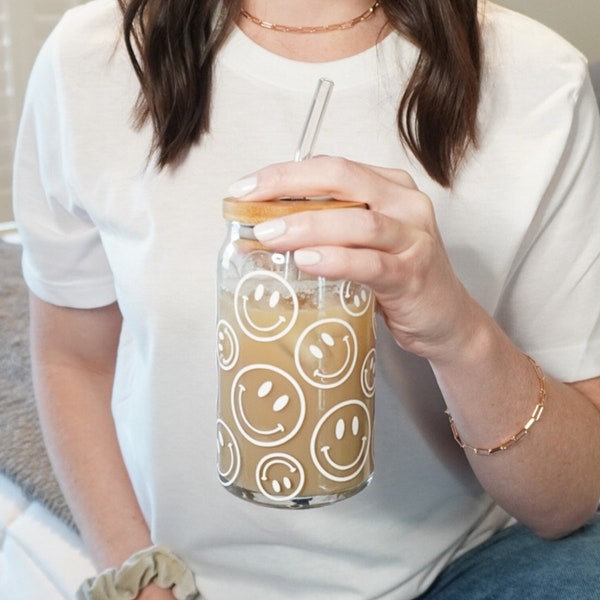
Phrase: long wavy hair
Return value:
(173, 44)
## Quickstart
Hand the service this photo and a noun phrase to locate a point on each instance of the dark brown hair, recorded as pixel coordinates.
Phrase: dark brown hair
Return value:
(173, 43)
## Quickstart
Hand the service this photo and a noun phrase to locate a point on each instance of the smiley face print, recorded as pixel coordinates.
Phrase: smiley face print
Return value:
(341, 441)
(367, 374)
(228, 454)
(266, 306)
(228, 346)
(355, 298)
(257, 260)
(325, 353)
(280, 476)
(268, 405)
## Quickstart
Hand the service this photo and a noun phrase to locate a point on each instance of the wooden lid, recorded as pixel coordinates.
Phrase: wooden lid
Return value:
(253, 212)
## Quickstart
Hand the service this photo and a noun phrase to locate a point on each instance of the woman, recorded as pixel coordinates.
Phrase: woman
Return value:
(472, 134)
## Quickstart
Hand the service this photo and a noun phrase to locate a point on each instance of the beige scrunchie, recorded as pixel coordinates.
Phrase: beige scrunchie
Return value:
(152, 565)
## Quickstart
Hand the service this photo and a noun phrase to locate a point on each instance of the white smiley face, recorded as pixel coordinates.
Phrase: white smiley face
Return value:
(355, 298)
(280, 477)
(257, 260)
(267, 404)
(228, 454)
(340, 443)
(228, 347)
(367, 374)
(266, 306)
(326, 352)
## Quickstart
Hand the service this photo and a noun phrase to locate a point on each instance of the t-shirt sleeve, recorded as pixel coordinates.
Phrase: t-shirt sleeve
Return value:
(64, 262)
(551, 305)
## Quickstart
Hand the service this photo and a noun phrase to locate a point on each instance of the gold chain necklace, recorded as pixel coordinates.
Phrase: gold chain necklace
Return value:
(315, 29)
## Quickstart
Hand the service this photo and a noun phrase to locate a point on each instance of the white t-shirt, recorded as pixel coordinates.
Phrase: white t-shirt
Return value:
(98, 224)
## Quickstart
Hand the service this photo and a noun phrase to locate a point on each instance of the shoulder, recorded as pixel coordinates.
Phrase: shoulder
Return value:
(84, 63)
(80, 97)
(527, 52)
(95, 18)
(86, 37)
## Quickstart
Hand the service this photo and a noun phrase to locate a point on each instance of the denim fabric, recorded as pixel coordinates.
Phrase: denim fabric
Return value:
(516, 564)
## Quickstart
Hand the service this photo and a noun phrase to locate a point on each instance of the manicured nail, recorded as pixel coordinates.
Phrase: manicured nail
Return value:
(306, 257)
(243, 186)
(269, 230)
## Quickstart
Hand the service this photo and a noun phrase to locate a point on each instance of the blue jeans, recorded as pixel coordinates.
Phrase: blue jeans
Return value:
(516, 564)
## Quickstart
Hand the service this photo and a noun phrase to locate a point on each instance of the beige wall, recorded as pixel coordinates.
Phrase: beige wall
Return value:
(24, 24)
(576, 20)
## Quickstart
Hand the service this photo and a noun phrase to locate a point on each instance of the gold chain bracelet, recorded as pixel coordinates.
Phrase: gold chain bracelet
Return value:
(535, 417)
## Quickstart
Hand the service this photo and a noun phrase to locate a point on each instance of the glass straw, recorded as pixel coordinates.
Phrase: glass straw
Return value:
(314, 120)
(304, 151)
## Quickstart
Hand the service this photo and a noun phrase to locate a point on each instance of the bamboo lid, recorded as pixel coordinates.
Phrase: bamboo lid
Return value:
(253, 212)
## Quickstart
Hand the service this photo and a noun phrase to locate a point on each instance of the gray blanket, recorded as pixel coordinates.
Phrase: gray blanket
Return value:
(22, 455)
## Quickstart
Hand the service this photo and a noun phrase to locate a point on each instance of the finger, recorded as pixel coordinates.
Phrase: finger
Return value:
(353, 228)
(378, 270)
(321, 176)
(393, 175)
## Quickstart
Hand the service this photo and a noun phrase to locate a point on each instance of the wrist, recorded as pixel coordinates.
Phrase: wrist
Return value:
(154, 566)
(153, 592)
(473, 335)
(489, 387)
(519, 435)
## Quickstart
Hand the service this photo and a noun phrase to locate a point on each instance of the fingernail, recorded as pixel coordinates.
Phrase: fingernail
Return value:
(243, 186)
(269, 230)
(306, 257)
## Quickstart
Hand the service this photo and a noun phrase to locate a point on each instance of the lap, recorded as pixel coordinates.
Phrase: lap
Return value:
(515, 563)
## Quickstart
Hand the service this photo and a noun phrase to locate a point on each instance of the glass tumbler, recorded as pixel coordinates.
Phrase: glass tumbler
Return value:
(296, 361)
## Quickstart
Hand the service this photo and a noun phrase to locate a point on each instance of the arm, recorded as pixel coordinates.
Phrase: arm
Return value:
(551, 479)
(73, 359)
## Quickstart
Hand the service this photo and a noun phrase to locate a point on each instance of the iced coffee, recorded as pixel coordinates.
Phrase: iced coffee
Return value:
(296, 362)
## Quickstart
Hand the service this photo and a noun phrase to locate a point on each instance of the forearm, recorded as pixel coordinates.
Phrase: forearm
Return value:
(73, 359)
(82, 443)
(81, 440)
(550, 479)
